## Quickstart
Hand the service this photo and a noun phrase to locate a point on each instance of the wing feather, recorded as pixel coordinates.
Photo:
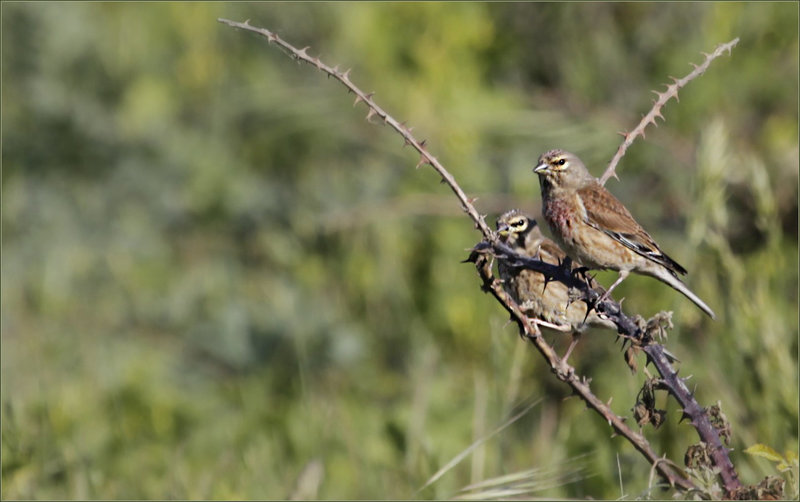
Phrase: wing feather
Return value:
(607, 214)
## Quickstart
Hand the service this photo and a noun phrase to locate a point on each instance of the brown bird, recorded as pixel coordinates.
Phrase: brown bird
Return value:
(548, 302)
(595, 228)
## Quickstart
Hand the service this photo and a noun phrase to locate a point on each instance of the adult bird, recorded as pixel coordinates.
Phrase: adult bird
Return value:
(597, 230)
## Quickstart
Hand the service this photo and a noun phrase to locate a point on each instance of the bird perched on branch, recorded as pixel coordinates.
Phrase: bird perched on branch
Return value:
(547, 301)
(595, 228)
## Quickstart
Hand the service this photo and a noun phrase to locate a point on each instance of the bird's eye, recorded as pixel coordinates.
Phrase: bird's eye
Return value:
(561, 162)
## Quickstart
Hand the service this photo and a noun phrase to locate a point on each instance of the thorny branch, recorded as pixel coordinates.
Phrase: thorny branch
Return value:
(697, 416)
(374, 110)
(627, 327)
(661, 100)
(563, 371)
(630, 330)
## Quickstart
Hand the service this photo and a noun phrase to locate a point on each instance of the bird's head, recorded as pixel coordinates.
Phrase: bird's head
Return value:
(514, 227)
(558, 168)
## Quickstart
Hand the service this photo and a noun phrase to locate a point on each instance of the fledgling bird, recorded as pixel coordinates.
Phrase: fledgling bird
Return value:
(550, 302)
(595, 228)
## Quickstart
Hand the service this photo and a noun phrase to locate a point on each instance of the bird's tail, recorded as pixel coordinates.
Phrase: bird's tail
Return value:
(672, 280)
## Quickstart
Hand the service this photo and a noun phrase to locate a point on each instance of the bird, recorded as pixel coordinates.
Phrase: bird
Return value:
(548, 301)
(596, 229)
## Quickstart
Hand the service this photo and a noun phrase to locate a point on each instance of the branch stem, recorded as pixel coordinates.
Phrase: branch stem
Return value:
(658, 104)
(374, 110)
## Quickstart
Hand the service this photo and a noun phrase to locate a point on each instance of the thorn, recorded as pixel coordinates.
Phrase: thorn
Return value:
(588, 310)
(623, 134)
(369, 95)
(358, 99)
(422, 143)
(422, 161)
(370, 114)
(346, 75)
(548, 280)
(247, 22)
(302, 52)
(707, 55)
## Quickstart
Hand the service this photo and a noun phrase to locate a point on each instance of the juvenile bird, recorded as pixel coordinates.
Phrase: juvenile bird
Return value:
(550, 302)
(595, 228)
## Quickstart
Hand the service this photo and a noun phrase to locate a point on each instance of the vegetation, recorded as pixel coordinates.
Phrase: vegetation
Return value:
(219, 281)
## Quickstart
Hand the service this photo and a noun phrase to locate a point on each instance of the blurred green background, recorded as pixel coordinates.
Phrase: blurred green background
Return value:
(220, 281)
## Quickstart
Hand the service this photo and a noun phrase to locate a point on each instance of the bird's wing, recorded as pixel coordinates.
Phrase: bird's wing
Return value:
(607, 214)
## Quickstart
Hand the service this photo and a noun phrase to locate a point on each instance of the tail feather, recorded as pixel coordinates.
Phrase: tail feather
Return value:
(665, 276)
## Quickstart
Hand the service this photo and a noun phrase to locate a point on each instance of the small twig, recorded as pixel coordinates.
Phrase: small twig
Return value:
(375, 110)
(655, 112)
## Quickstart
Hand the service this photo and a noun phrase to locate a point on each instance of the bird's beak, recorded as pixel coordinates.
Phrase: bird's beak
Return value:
(540, 168)
(503, 231)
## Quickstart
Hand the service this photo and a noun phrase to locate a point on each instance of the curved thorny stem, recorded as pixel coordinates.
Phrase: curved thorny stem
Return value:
(658, 104)
(373, 111)
(627, 327)
(580, 385)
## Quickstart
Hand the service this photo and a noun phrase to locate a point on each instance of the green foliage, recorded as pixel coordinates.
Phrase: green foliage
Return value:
(786, 464)
(219, 281)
